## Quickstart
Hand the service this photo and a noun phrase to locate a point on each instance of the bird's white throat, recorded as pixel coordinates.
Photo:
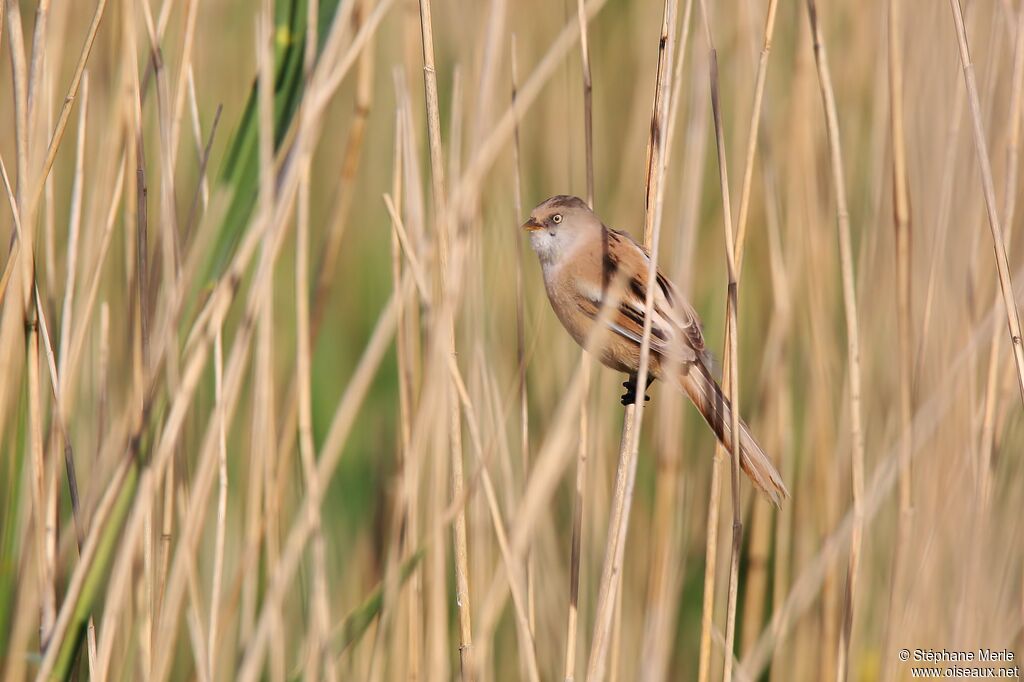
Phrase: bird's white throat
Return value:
(554, 247)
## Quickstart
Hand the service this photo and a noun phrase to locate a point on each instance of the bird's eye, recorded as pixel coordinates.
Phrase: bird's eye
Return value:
(557, 218)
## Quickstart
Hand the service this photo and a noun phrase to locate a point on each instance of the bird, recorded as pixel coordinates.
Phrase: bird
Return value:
(597, 280)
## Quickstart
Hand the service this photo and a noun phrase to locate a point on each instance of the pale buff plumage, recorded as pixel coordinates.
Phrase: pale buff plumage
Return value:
(595, 274)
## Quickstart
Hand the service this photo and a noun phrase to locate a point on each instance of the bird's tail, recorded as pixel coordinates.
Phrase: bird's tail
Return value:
(707, 395)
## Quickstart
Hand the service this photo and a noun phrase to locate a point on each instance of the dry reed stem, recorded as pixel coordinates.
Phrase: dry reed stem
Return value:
(37, 62)
(730, 381)
(782, 291)
(69, 375)
(943, 220)
(202, 190)
(588, 101)
(491, 47)
(852, 337)
(36, 78)
(618, 523)
(43, 478)
(195, 627)
(665, 572)
(457, 114)
(320, 613)
(441, 223)
(403, 509)
(44, 485)
(181, 87)
(733, 355)
(222, 508)
(754, 135)
(320, 617)
(616, 646)
(325, 274)
(263, 425)
(65, 111)
(119, 575)
(61, 431)
(998, 239)
(524, 413)
(137, 233)
(979, 520)
(1009, 206)
(410, 252)
(75, 585)
(407, 514)
(74, 225)
(22, 307)
(45, 488)
(320, 96)
(197, 133)
(710, 570)
(902, 225)
(584, 428)
(761, 521)
(407, 338)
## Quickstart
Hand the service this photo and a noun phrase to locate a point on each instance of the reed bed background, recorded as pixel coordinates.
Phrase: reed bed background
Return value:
(281, 394)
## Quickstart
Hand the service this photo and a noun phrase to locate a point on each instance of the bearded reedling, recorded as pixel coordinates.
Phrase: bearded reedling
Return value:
(587, 266)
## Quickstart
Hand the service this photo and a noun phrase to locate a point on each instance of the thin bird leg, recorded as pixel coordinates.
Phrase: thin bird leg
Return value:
(629, 397)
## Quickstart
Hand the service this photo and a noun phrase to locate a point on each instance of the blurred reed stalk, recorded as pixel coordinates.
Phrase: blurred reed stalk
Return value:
(583, 448)
(980, 519)
(762, 514)
(441, 227)
(665, 572)
(732, 350)
(852, 338)
(988, 188)
(988, 429)
(524, 412)
(902, 225)
(406, 509)
(625, 477)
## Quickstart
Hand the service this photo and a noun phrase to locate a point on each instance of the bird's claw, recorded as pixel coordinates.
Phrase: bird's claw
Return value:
(629, 397)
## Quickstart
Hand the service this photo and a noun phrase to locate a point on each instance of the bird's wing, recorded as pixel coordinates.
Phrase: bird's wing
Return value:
(675, 327)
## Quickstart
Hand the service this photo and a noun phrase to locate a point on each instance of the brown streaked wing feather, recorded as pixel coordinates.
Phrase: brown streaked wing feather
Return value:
(626, 320)
(674, 332)
(684, 316)
(669, 304)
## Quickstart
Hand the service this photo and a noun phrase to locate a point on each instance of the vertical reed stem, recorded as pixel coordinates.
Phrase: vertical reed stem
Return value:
(852, 338)
(585, 367)
(998, 239)
(462, 597)
(902, 225)
(625, 477)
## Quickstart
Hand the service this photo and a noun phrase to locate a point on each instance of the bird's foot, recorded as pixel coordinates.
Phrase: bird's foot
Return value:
(629, 397)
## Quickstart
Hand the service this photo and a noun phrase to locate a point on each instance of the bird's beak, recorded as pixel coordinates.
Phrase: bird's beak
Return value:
(532, 225)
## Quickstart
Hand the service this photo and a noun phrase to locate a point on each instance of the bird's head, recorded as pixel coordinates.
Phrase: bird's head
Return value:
(556, 223)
